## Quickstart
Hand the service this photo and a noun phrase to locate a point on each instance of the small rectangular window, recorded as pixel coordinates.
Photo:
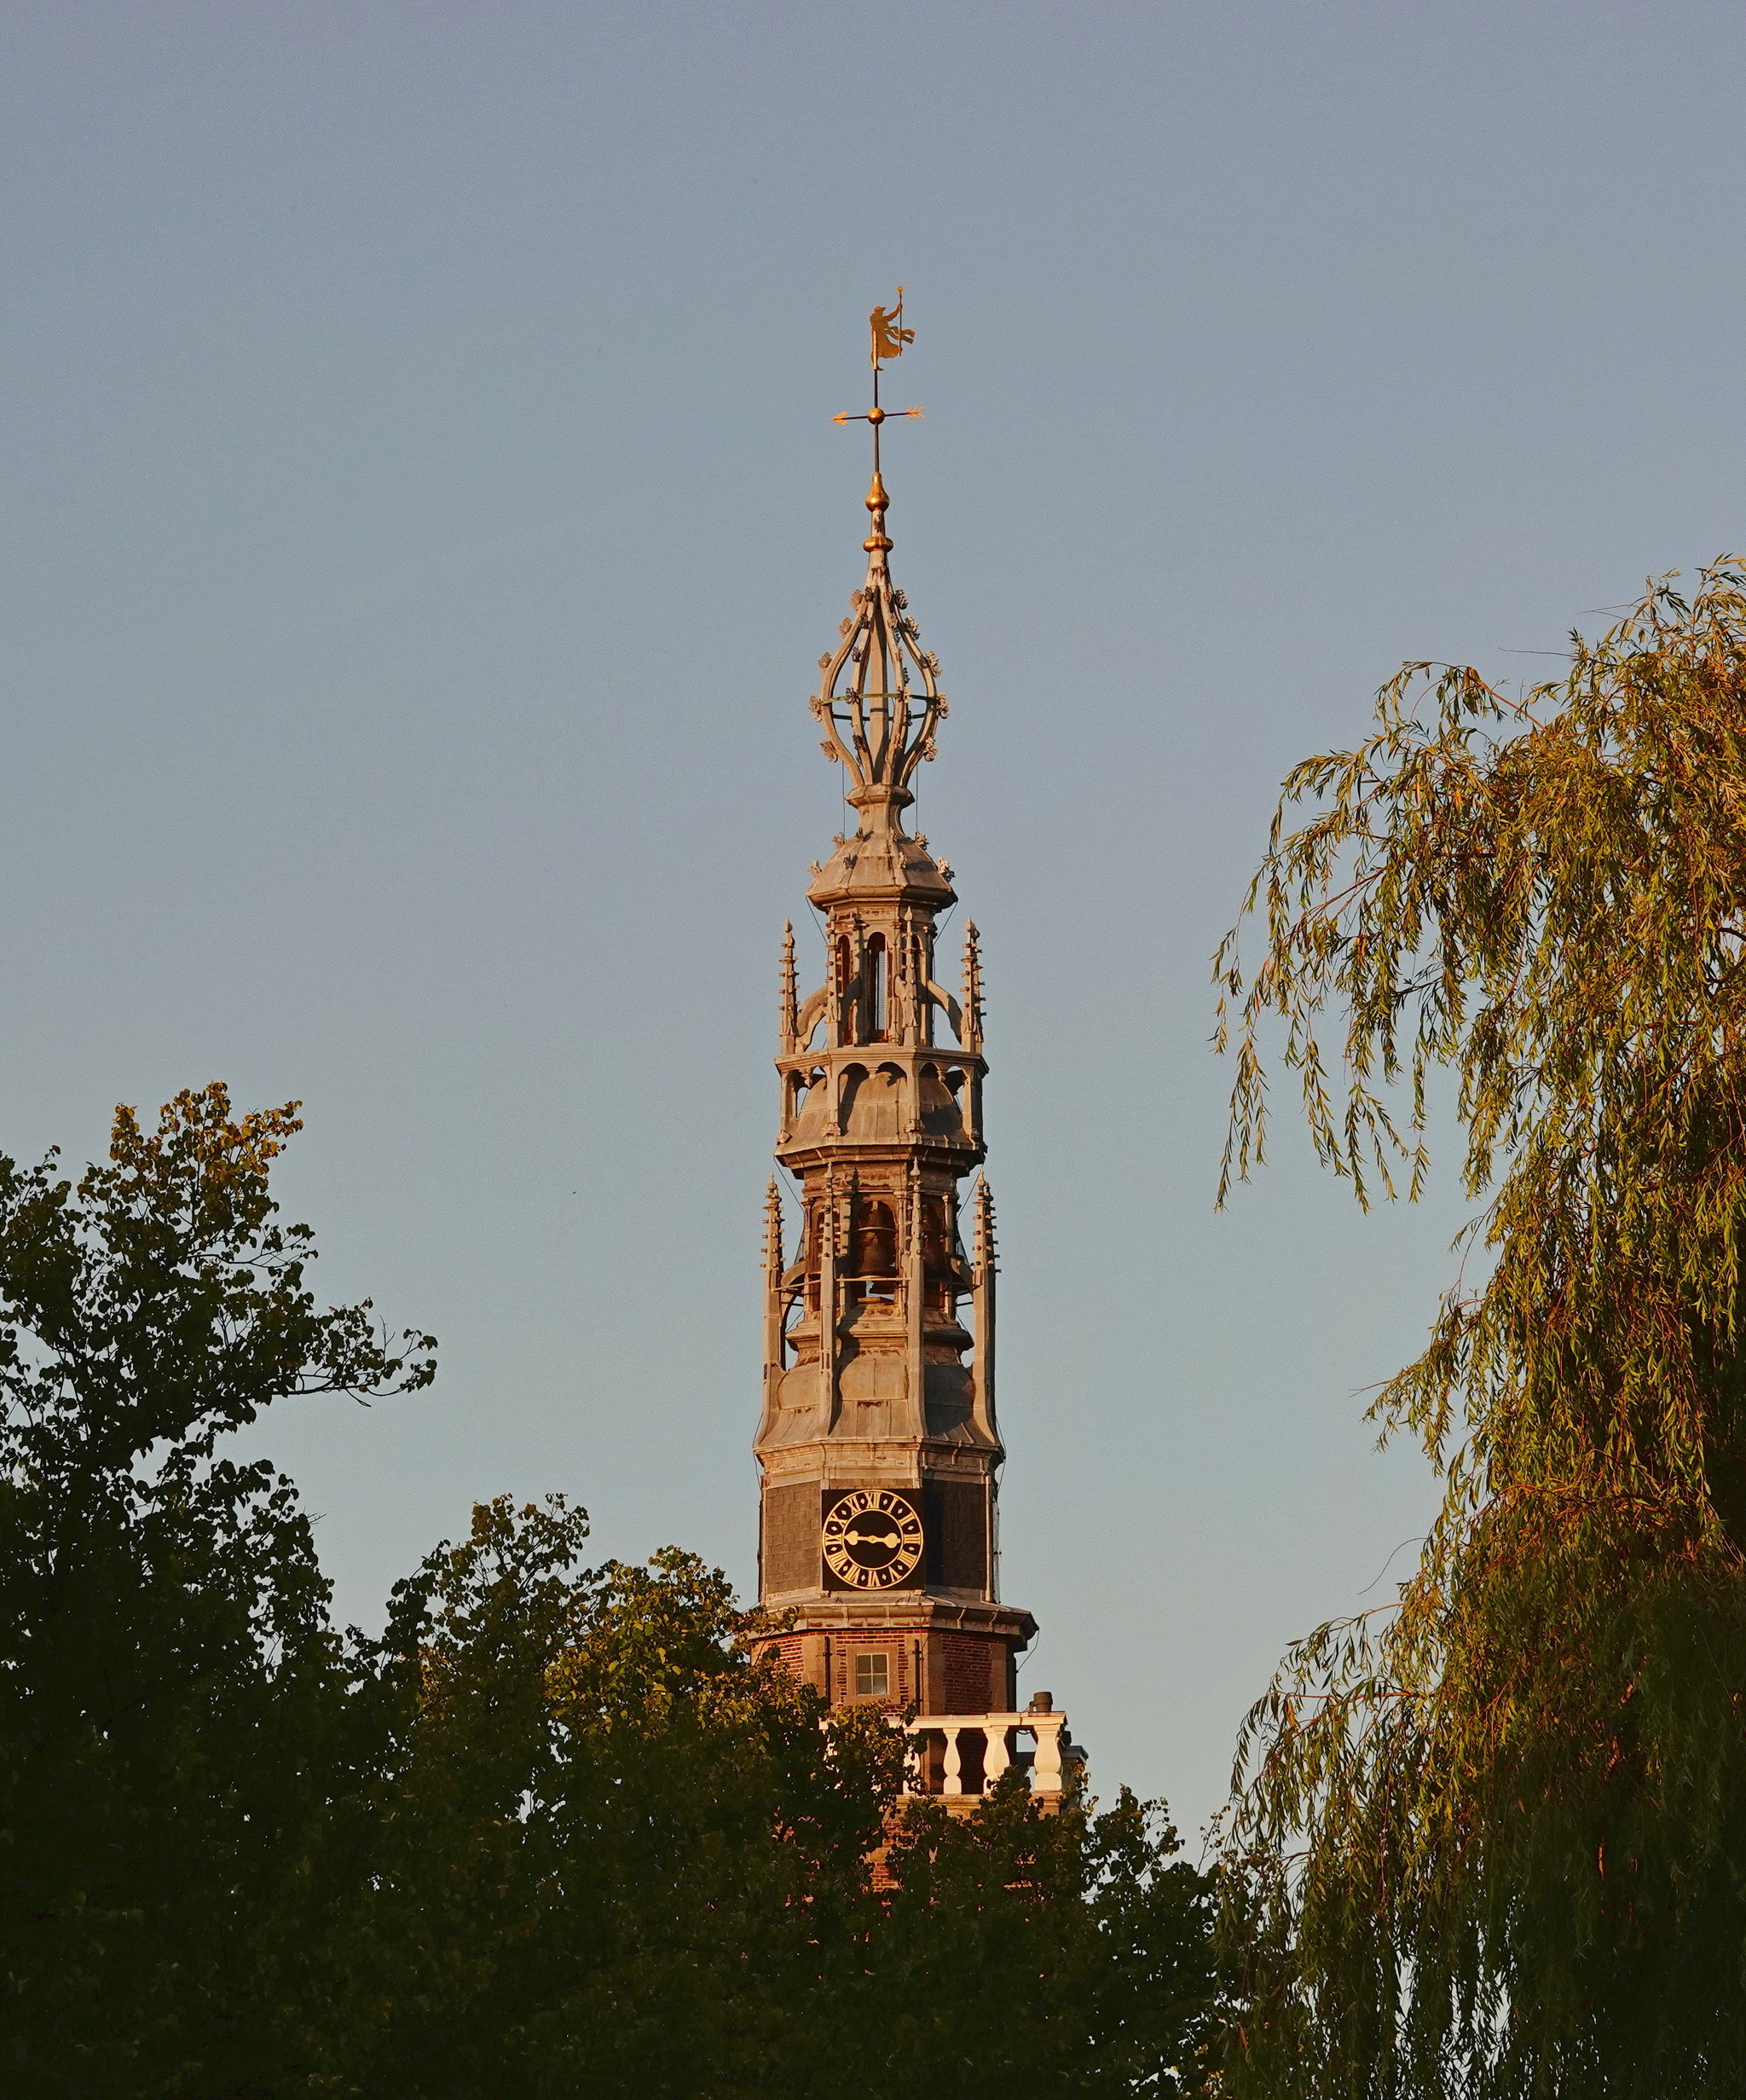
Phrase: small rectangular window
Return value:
(873, 1677)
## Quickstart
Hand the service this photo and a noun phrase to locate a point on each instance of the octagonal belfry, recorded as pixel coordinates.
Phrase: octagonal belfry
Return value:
(878, 1442)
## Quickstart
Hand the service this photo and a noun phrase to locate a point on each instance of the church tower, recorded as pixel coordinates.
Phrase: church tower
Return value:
(878, 1444)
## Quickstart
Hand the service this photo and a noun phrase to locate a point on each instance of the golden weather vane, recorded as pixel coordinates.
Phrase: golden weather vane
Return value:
(889, 333)
(889, 336)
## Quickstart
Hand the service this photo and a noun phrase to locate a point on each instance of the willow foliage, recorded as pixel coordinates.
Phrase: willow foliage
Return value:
(1492, 1840)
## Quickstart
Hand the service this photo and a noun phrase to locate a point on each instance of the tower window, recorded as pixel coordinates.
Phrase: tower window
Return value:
(872, 1676)
(876, 990)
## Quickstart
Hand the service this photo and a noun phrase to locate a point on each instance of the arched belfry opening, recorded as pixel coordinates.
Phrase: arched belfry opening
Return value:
(876, 988)
(875, 1247)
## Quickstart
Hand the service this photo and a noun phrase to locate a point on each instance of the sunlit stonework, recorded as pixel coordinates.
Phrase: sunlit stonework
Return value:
(878, 1443)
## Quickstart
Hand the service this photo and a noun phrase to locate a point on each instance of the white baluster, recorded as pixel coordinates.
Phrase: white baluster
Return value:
(954, 1764)
(1045, 1773)
(916, 1762)
(996, 1758)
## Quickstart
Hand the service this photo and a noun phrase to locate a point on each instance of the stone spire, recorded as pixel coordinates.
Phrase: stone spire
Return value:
(879, 703)
(790, 990)
(878, 1444)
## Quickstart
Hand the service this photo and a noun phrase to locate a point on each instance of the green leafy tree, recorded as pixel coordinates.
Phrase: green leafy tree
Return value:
(624, 1856)
(177, 1719)
(1067, 1952)
(627, 1858)
(1493, 1839)
(561, 1830)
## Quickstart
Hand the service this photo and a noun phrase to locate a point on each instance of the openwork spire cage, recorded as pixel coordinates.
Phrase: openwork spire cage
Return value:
(879, 699)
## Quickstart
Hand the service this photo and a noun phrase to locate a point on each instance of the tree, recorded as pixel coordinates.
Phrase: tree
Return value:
(628, 1858)
(1493, 1839)
(561, 1829)
(623, 1857)
(178, 1720)
(1066, 1952)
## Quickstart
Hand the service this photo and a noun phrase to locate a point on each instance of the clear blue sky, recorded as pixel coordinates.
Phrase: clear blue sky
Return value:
(423, 516)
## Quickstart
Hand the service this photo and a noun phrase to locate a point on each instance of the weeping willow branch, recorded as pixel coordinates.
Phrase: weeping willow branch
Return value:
(1493, 1839)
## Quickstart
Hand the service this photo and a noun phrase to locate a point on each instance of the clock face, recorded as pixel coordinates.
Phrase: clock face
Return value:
(872, 1538)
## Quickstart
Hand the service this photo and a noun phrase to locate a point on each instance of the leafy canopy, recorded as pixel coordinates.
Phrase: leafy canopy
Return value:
(561, 1830)
(1493, 1839)
(176, 1724)
(625, 1857)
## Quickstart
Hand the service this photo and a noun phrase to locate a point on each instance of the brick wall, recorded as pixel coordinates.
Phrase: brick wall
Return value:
(973, 1676)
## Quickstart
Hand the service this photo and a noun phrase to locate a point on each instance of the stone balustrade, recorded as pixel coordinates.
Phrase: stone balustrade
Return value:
(959, 1755)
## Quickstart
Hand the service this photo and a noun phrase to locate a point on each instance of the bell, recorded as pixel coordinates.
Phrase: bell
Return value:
(876, 1240)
